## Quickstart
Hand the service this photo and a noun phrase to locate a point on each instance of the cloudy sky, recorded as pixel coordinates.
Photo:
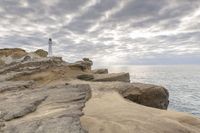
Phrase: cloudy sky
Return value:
(107, 31)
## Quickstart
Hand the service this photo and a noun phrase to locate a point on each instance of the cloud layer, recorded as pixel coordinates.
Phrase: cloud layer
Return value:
(107, 31)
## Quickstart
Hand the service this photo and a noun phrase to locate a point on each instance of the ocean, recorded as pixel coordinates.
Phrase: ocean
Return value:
(182, 82)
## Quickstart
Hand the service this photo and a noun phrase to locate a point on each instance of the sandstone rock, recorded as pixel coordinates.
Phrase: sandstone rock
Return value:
(147, 94)
(13, 56)
(56, 109)
(42, 63)
(12, 52)
(84, 65)
(41, 95)
(88, 63)
(28, 107)
(15, 85)
(26, 58)
(2, 62)
(123, 77)
(41, 53)
(86, 77)
(108, 112)
(100, 71)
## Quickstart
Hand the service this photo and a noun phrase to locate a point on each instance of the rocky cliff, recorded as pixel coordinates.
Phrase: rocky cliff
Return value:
(48, 95)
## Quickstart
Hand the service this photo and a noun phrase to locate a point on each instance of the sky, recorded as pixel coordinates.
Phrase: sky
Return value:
(110, 32)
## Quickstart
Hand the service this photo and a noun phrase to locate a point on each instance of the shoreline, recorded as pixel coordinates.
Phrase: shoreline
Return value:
(51, 95)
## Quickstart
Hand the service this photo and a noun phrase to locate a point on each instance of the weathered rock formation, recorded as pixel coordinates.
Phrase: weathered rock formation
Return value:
(84, 65)
(100, 71)
(31, 102)
(48, 95)
(146, 94)
(41, 53)
(86, 77)
(14, 53)
(9, 55)
(123, 77)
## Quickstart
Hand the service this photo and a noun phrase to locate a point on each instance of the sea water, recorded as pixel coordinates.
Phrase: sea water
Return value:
(182, 82)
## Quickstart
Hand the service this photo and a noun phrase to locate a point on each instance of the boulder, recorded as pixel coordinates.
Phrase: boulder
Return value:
(86, 77)
(146, 94)
(15, 53)
(100, 71)
(123, 77)
(84, 65)
(41, 53)
(26, 58)
(88, 63)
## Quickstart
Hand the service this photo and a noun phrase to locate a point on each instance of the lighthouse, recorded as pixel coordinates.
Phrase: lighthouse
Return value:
(50, 53)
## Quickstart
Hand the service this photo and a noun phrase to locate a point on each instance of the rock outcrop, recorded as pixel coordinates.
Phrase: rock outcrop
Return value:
(124, 77)
(108, 112)
(10, 55)
(84, 65)
(146, 94)
(100, 71)
(12, 52)
(48, 95)
(28, 105)
(50, 109)
(41, 53)
(86, 77)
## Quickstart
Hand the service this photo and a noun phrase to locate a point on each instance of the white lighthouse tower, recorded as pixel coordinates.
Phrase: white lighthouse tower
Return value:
(50, 53)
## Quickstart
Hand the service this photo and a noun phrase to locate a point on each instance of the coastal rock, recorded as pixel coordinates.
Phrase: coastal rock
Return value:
(11, 55)
(22, 66)
(123, 77)
(26, 58)
(147, 94)
(88, 63)
(15, 86)
(2, 62)
(108, 112)
(41, 53)
(15, 53)
(84, 65)
(52, 109)
(86, 77)
(43, 95)
(100, 71)
(27, 105)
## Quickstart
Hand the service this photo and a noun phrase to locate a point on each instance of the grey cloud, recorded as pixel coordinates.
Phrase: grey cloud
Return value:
(140, 8)
(155, 12)
(82, 23)
(28, 25)
(66, 7)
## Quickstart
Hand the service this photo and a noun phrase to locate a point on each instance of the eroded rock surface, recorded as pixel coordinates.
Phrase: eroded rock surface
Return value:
(124, 77)
(28, 106)
(84, 65)
(47, 95)
(100, 71)
(147, 94)
(47, 110)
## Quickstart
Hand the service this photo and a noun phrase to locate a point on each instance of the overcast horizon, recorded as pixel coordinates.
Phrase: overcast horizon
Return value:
(110, 32)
